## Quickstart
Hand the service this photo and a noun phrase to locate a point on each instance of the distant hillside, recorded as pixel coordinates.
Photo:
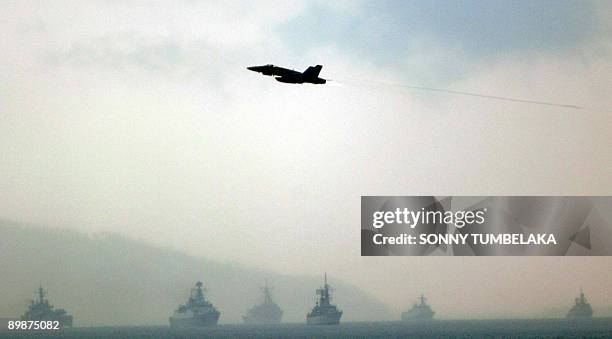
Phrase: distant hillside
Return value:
(111, 280)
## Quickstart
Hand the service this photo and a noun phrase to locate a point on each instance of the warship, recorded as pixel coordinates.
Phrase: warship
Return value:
(41, 310)
(267, 312)
(196, 312)
(324, 313)
(419, 311)
(581, 308)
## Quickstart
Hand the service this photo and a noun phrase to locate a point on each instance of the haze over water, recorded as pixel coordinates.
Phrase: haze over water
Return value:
(141, 120)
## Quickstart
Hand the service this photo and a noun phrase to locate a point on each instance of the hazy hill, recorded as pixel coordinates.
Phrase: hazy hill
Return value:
(111, 280)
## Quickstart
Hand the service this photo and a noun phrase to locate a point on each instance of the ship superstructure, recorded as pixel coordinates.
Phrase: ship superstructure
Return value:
(40, 309)
(196, 312)
(324, 313)
(581, 308)
(419, 311)
(268, 312)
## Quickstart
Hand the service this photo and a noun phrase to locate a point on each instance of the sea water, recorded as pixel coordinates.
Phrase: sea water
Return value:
(549, 328)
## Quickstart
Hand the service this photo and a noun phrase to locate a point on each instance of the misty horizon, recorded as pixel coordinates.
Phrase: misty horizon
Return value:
(552, 308)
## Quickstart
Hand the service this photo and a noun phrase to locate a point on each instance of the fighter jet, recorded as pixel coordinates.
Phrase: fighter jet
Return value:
(310, 75)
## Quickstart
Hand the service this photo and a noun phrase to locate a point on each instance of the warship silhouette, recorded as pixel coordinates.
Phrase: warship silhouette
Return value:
(419, 311)
(196, 312)
(324, 313)
(267, 312)
(41, 310)
(581, 308)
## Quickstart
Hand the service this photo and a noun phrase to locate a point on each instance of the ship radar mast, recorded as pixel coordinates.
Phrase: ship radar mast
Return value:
(267, 290)
(324, 295)
(41, 294)
(199, 291)
(581, 299)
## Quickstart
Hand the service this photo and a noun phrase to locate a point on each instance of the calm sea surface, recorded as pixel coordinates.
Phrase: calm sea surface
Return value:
(596, 328)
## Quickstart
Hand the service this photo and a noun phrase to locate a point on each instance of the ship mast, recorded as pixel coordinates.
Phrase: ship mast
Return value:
(41, 294)
(324, 299)
(199, 290)
(267, 295)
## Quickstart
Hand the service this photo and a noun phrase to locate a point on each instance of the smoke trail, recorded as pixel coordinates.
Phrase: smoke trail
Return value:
(472, 94)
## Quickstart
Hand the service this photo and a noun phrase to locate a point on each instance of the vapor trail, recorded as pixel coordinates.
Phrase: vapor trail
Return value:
(473, 94)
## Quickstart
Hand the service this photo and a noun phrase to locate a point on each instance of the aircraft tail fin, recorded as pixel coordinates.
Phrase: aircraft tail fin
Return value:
(313, 71)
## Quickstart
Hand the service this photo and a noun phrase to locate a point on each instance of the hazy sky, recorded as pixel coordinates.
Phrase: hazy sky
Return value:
(140, 118)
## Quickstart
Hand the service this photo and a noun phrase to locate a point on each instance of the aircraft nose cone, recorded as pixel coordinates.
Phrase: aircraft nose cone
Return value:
(252, 68)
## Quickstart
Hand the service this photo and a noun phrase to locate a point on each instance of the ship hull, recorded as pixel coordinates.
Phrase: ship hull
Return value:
(326, 319)
(263, 314)
(588, 314)
(417, 317)
(263, 318)
(64, 320)
(418, 314)
(197, 321)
